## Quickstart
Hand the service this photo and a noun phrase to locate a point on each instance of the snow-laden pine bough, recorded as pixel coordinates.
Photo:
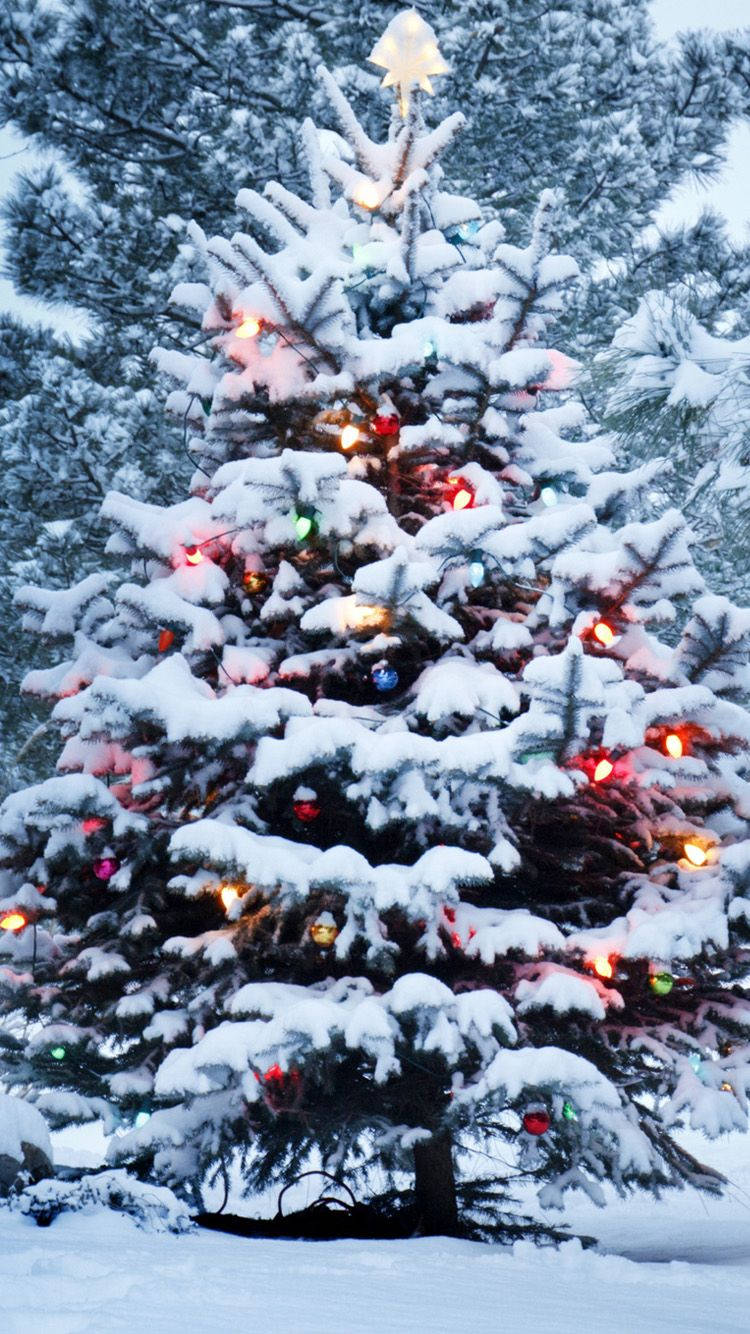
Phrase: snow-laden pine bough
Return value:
(400, 824)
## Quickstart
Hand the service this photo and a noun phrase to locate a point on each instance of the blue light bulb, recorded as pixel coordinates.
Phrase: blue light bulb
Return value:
(384, 678)
(477, 569)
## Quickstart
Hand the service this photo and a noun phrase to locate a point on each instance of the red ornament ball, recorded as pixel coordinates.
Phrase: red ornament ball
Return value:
(536, 1122)
(386, 423)
(105, 867)
(306, 811)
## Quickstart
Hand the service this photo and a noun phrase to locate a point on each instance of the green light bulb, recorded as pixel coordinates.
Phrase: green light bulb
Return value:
(304, 521)
(661, 983)
(569, 1111)
(57, 1053)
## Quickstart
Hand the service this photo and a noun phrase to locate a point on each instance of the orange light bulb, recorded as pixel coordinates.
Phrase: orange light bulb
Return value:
(602, 967)
(695, 854)
(603, 769)
(604, 633)
(248, 328)
(349, 436)
(673, 745)
(228, 894)
(193, 555)
(13, 921)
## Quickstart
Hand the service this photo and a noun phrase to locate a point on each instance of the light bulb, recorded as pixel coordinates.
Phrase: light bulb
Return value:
(603, 770)
(548, 495)
(193, 555)
(695, 854)
(602, 966)
(368, 195)
(604, 633)
(476, 571)
(57, 1053)
(248, 328)
(228, 894)
(141, 1119)
(349, 436)
(13, 921)
(673, 745)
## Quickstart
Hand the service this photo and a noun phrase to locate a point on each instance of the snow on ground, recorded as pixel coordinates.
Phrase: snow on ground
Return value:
(681, 1265)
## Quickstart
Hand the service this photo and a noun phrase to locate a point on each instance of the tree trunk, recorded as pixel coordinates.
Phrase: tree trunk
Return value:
(435, 1187)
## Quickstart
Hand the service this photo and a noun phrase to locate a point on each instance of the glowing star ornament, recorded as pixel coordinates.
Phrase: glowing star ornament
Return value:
(408, 52)
(13, 921)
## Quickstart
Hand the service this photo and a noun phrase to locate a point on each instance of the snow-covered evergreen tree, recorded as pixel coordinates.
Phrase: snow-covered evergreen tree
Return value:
(676, 389)
(402, 801)
(150, 106)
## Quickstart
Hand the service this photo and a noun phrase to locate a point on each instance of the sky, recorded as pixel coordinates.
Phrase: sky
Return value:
(729, 193)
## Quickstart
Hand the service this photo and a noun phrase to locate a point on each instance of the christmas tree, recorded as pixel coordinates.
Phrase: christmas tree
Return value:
(400, 815)
(143, 110)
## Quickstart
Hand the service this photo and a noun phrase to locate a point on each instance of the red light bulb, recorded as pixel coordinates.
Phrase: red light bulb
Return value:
(537, 1122)
(193, 555)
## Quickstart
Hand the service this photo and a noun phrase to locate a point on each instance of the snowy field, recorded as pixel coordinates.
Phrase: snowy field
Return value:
(680, 1266)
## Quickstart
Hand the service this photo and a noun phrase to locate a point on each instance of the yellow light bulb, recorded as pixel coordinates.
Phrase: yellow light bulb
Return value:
(604, 633)
(229, 894)
(602, 967)
(603, 770)
(368, 195)
(349, 436)
(673, 745)
(695, 854)
(248, 328)
(13, 921)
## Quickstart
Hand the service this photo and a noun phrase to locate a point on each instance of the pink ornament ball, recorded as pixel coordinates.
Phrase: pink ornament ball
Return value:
(104, 867)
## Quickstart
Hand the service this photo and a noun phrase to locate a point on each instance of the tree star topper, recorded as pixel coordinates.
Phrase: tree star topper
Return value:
(408, 51)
